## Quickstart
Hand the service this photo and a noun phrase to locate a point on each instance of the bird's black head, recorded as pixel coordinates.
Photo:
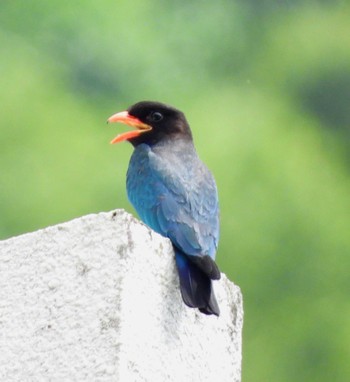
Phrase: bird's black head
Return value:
(154, 121)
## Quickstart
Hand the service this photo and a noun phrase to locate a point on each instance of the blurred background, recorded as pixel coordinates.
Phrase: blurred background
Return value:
(266, 87)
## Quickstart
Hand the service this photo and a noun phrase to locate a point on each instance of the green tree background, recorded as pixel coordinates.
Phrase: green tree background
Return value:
(266, 88)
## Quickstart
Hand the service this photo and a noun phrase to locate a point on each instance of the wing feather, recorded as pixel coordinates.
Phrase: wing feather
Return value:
(178, 200)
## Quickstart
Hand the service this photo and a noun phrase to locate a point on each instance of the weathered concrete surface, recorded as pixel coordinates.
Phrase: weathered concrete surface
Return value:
(97, 299)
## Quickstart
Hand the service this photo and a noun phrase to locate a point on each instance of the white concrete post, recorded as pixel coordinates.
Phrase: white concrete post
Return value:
(97, 299)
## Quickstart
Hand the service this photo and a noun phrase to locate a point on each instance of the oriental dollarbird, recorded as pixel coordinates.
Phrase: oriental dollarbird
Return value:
(175, 194)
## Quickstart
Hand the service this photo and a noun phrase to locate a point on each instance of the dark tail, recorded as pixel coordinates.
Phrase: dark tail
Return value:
(196, 286)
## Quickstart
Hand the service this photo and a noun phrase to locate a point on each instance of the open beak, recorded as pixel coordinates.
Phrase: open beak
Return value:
(127, 119)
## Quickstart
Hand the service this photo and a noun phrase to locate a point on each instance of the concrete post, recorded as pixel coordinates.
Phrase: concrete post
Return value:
(97, 299)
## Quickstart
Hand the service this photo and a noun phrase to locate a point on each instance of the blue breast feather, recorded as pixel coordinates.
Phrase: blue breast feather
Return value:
(175, 194)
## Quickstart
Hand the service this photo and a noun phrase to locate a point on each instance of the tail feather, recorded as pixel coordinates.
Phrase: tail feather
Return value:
(196, 287)
(207, 265)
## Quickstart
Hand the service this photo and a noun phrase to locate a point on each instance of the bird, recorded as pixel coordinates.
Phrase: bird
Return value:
(175, 194)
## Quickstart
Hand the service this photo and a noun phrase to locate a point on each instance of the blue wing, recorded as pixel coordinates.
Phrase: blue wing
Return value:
(179, 200)
(175, 194)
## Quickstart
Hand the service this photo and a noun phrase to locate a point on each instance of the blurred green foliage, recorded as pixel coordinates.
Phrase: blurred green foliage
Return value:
(266, 88)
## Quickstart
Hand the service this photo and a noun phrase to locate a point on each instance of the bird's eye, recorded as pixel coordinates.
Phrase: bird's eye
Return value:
(156, 116)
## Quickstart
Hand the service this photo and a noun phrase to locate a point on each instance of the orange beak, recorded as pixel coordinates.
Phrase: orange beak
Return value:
(127, 119)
